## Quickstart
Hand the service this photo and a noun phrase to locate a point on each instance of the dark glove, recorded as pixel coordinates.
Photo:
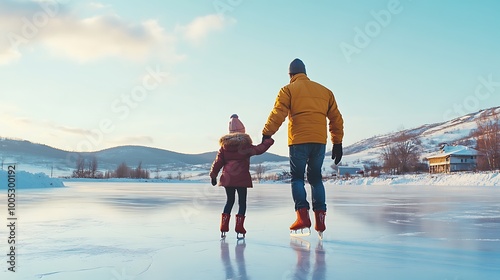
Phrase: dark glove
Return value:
(337, 153)
(214, 181)
(264, 137)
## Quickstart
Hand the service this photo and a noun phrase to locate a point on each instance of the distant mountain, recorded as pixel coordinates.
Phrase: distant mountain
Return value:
(154, 157)
(45, 157)
(39, 157)
(455, 131)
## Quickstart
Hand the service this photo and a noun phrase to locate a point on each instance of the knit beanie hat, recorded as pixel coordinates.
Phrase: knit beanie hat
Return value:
(297, 66)
(235, 125)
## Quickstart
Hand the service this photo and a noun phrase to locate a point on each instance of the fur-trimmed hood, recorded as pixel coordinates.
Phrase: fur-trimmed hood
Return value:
(235, 139)
(233, 158)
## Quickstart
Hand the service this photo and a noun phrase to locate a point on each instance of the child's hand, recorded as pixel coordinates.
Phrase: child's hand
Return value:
(264, 137)
(271, 140)
(214, 181)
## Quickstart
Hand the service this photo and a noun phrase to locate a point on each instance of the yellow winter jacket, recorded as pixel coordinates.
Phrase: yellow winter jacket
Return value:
(307, 105)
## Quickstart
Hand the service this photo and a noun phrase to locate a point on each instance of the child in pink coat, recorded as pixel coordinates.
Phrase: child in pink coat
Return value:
(233, 158)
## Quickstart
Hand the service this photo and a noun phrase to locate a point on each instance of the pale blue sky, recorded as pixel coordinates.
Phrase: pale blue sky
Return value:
(87, 75)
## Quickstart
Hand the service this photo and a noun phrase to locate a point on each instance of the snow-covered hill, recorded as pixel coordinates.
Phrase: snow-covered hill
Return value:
(36, 158)
(455, 131)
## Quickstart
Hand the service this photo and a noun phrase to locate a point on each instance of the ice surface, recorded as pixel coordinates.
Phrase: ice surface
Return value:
(117, 231)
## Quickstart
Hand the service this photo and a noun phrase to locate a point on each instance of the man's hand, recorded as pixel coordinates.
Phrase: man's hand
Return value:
(214, 181)
(337, 153)
(264, 137)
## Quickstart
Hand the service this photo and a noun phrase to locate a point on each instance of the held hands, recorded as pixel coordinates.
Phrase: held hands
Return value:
(264, 137)
(337, 153)
(214, 181)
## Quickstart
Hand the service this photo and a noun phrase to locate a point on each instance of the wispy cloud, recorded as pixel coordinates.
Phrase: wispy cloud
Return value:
(198, 29)
(30, 24)
(137, 140)
(67, 137)
(25, 123)
(62, 32)
(98, 5)
(105, 36)
(8, 55)
(14, 118)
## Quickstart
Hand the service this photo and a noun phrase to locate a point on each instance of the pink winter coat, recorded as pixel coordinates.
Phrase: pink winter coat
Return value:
(234, 157)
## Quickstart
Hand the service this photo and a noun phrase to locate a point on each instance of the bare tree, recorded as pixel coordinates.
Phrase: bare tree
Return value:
(372, 168)
(93, 167)
(123, 171)
(79, 172)
(137, 172)
(409, 154)
(259, 171)
(109, 174)
(487, 137)
(402, 154)
(389, 159)
(157, 172)
(140, 173)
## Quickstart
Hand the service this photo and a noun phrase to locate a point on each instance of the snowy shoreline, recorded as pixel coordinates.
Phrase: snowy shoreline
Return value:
(26, 180)
(453, 179)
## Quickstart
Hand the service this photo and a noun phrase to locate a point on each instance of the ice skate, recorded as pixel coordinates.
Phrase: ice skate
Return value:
(301, 226)
(224, 225)
(240, 219)
(319, 226)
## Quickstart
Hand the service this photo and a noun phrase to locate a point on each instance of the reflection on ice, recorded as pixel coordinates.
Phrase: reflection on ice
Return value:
(239, 252)
(303, 269)
(456, 216)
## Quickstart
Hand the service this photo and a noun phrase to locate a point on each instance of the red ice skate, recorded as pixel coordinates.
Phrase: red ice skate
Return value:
(240, 219)
(224, 224)
(301, 223)
(319, 216)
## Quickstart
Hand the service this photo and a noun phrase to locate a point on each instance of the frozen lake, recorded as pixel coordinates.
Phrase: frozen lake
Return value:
(116, 231)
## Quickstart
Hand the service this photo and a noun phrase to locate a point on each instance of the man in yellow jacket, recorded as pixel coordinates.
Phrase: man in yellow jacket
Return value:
(307, 105)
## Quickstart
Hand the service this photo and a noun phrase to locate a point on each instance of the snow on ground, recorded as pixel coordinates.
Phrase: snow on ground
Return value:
(135, 231)
(26, 180)
(41, 180)
(454, 179)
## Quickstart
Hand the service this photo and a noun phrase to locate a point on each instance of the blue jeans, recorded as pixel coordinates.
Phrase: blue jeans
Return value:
(312, 156)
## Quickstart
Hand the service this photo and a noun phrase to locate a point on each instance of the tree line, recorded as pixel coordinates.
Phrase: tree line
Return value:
(87, 168)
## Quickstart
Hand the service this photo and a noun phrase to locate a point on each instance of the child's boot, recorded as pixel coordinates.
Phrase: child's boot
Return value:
(224, 224)
(240, 219)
